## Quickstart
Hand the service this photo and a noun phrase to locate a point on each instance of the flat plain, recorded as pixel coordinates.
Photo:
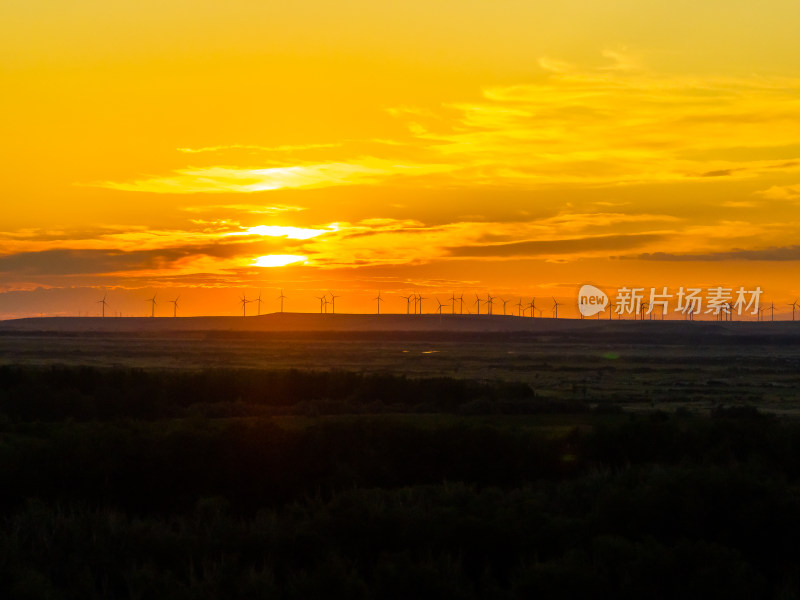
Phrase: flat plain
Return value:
(636, 365)
(362, 458)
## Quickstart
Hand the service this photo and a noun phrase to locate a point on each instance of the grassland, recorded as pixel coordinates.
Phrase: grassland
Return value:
(406, 465)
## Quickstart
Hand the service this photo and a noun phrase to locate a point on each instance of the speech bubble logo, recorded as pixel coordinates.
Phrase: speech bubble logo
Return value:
(591, 300)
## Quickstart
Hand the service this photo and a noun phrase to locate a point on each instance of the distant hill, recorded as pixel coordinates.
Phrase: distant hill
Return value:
(313, 322)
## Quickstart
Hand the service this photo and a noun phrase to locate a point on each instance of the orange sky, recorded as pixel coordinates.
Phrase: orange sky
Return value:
(188, 148)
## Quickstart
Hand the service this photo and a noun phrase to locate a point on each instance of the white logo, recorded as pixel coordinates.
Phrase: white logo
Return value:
(591, 300)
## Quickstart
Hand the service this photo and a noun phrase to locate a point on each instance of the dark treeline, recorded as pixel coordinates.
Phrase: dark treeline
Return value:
(125, 504)
(86, 393)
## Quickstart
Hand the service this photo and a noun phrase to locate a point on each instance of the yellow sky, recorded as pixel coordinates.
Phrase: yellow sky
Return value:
(208, 149)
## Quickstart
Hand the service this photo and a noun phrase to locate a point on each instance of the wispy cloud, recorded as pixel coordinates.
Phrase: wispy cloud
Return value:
(226, 179)
(614, 124)
(254, 209)
(586, 246)
(786, 192)
(283, 148)
(773, 253)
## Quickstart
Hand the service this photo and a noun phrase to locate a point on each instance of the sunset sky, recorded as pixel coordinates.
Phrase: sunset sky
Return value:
(212, 149)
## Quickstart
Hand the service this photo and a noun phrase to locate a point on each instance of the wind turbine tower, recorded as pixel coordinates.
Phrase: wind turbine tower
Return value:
(379, 300)
(175, 306)
(103, 305)
(281, 297)
(794, 306)
(555, 308)
(408, 304)
(153, 307)
(420, 303)
(333, 303)
(244, 302)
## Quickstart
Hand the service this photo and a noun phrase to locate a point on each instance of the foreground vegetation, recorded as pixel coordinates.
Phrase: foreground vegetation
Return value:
(241, 484)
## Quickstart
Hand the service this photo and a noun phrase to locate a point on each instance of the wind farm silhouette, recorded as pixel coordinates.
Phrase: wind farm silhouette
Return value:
(483, 303)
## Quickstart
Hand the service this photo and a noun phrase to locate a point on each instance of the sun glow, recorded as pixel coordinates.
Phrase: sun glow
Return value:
(278, 260)
(293, 233)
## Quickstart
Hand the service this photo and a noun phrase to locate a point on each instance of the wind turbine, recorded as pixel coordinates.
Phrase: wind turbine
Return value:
(408, 303)
(379, 299)
(420, 298)
(153, 307)
(453, 303)
(440, 306)
(478, 302)
(281, 298)
(416, 299)
(333, 303)
(772, 311)
(244, 302)
(175, 307)
(489, 303)
(258, 300)
(461, 300)
(555, 308)
(533, 309)
(793, 305)
(103, 304)
(321, 300)
(519, 308)
(504, 306)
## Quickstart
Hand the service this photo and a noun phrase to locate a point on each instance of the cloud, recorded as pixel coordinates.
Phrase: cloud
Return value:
(719, 173)
(786, 192)
(615, 124)
(226, 179)
(539, 248)
(292, 233)
(554, 65)
(774, 253)
(622, 59)
(84, 261)
(187, 258)
(284, 148)
(254, 209)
